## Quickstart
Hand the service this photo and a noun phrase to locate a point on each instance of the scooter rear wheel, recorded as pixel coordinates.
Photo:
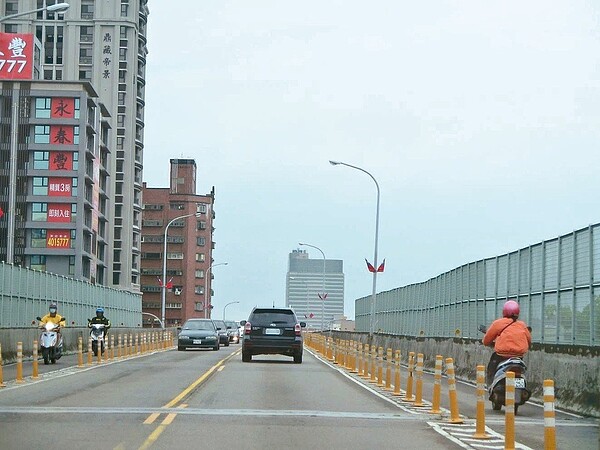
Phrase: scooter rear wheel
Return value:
(46, 355)
(496, 406)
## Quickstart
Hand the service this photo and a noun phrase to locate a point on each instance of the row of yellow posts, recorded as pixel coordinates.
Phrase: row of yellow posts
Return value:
(368, 363)
(128, 344)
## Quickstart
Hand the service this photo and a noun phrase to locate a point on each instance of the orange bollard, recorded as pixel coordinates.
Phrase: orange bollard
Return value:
(480, 421)
(549, 416)
(354, 360)
(437, 386)
(365, 371)
(1, 374)
(419, 394)
(99, 353)
(20, 362)
(35, 369)
(388, 370)
(373, 365)
(397, 374)
(119, 344)
(80, 352)
(380, 367)
(112, 347)
(409, 382)
(509, 409)
(90, 353)
(454, 414)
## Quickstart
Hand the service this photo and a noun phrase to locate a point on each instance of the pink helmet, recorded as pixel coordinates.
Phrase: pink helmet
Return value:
(511, 309)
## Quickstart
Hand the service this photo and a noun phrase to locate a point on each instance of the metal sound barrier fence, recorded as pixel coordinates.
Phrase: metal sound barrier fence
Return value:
(26, 293)
(556, 282)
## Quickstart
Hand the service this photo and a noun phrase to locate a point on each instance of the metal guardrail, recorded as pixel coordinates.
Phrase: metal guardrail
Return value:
(556, 282)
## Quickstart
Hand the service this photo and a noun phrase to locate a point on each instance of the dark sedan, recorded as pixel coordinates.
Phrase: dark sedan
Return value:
(198, 333)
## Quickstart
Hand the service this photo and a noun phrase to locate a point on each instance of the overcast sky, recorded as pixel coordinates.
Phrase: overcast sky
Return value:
(479, 120)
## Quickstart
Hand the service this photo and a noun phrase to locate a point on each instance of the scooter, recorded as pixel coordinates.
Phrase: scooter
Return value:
(497, 390)
(51, 342)
(97, 334)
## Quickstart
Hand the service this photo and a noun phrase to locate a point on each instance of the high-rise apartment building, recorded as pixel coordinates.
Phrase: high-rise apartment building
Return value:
(185, 219)
(103, 43)
(308, 281)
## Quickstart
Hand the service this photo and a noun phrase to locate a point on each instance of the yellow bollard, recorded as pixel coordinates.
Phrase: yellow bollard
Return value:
(105, 352)
(373, 365)
(509, 409)
(354, 360)
(367, 353)
(90, 353)
(549, 419)
(112, 348)
(454, 414)
(409, 382)
(80, 352)
(35, 375)
(397, 374)
(480, 421)
(419, 394)
(119, 344)
(99, 353)
(20, 362)
(388, 370)
(1, 374)
(437, 386)
(380, 367)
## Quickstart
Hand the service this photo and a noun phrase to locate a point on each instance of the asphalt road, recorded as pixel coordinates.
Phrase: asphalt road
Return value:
(206, 399)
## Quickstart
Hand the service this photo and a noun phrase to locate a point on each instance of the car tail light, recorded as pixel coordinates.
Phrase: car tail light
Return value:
(298, 329)
(247, 328)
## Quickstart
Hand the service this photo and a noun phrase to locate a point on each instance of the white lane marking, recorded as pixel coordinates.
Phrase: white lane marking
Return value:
(208, 412)
(456, 433)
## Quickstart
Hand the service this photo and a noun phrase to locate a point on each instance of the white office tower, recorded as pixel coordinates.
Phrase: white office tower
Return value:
(315, 289)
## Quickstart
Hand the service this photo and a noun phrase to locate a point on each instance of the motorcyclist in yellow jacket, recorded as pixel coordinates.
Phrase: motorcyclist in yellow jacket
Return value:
(53, 317)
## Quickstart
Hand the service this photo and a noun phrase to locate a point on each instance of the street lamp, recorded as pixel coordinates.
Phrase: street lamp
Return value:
(206, 294)
(323, 287)
(155, 317)
(164, 272)
(58, 7)
(374, 294)
(230, 303)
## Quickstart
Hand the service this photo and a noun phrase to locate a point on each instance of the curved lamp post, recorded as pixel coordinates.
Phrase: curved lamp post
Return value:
(58, 7)
(323, 285)
(206, 293)
(230, 303)
(164, 272)
(156, 317)
(375, 263)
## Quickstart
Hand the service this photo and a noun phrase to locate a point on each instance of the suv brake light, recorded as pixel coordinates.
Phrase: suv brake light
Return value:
(247, 328)
(298, 329)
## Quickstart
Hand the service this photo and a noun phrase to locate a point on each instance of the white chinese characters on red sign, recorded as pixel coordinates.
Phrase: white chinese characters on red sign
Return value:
(16, 56)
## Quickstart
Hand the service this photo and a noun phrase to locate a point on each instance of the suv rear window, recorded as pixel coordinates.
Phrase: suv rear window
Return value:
(265, 317)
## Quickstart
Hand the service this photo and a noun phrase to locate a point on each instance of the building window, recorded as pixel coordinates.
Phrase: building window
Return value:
(87, 9)
(76, 135)
(11, 7)
(37, 262)
(201, 208)
(43, 107)
(122, 54)
(75, 161)
(200, 241)
(200, 257)
(86, 54)
(41, 134)
(74, 187)
(85, 74)
(175, 255)
(199, 290)
(199, 273)
(40, 186)
(86, 34)
(39, 212)
(124, 10)
(38, 238)
(199, 306)
(200, 225)
(41, 160)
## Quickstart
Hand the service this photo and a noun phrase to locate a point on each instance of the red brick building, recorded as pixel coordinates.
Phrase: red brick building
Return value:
(189, 246)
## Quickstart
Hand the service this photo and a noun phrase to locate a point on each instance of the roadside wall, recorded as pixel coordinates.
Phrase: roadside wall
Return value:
(10, 336)
(574, 369)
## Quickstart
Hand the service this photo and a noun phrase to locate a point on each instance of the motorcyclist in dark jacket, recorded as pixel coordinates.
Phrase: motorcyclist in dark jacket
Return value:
(100, 319)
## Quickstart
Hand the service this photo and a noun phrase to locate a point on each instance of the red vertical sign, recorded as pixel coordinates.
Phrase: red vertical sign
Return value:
(61, 135)
(58, 239)
(16, 56)
(59, 212)
(60, 187)
(62, 108)
(61, 161)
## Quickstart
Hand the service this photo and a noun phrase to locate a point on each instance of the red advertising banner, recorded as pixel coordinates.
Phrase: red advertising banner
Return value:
(60, 187)
(59, 212)
(61, 161)
(61, 135)
(16, 56)
(58, 239)
(62, 108)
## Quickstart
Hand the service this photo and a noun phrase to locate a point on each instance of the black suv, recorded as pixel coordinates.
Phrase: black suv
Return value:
(272, 331)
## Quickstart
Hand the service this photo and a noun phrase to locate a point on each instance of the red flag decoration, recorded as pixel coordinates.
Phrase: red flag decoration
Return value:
(159, 281)
(311, 315)
(370, 266)
(381, 266)
(170, 283)
(1, 212)
(322, 296)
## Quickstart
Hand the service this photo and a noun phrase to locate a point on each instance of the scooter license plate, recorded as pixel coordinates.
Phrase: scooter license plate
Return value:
(519, 383)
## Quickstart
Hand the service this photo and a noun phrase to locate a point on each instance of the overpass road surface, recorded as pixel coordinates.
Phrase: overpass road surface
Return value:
(207, 399)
